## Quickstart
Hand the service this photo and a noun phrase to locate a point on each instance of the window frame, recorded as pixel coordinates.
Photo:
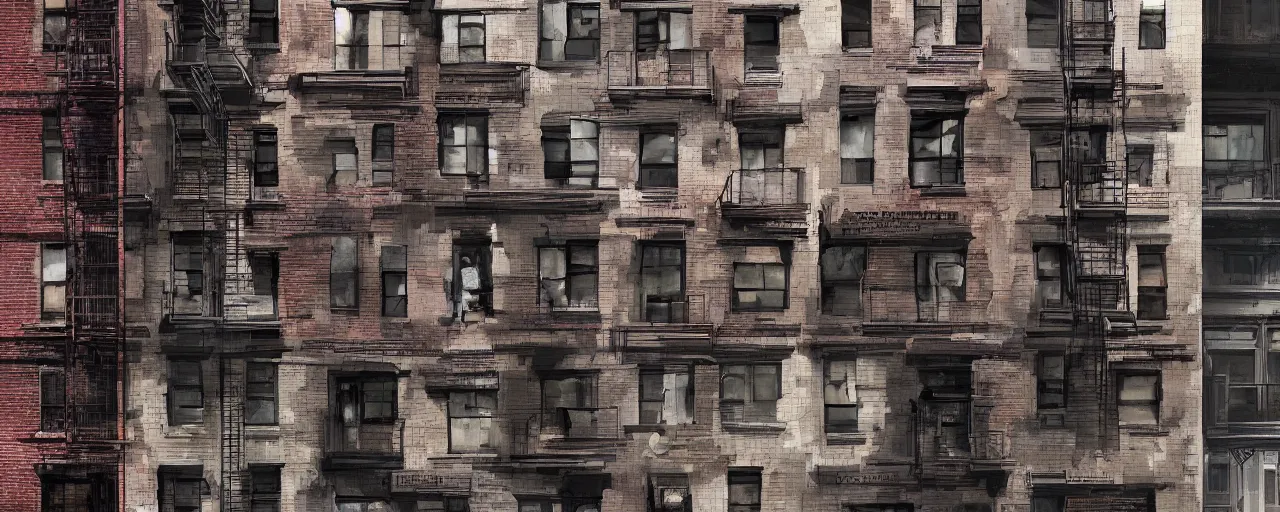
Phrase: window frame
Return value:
(337, 274)
(568, 248)
(1160, 294)
(672, 168)
(270, 494)
(48, 43)
(565, 171)
(934, 10)
(843, 427)
(1156, 403)
(850, 25)
(918, 124)
(853, 164)
(383, 153)
(53, 416)
(271, 259)
(338, 148)
(736, 300)
(263, 168)
(358, 47)
(964, 282)
(657, 483)
(644, 264)
(466, 21)
(492, 416)
(1046, 141)
(1151, 19)
(175, 366)
(175, 476)
(264, 18)
(969, 13)
(745, 477)
(775, 44)
(259, 395)
(46, 314)
(51, 142)
(389, 268)
(449, 119)
(388, 396)
(749, 388)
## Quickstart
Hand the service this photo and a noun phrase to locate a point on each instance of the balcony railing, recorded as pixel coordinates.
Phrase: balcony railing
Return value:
(1105, 186)
(686, 309)
(584, 423)
(364, 445)
(991, 445)
(764, 187)
(675, 72)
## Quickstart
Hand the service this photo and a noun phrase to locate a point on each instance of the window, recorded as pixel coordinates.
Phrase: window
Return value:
(53, 282)
(53, 399)
(472, 280)
(1051, 389)
(940, 277)
(351, 36)
(1219, 477)
(569, 31)
(188, 274)
(471, 420)
(1235, 161)
(572, 156)
(906, 507)
(928, 16)
(55, 25)
(1139, 400)
(181, 488)
(384, 153)
(1089, 148)
(266, 173)
(464, 144)
(857, 148)
(264, 488)
(1138, 160)
(969, 22)
(72, 495)
(353, 48)
(1151, 25)
(1047, 504)
(658, 152)
(344, 274)
(840, 395)
(760, 286)
(663, 30)
(345, 161)
(662, 283)
(186, 392)
(395, 281)
(560, 394)
(666, 397)
(744, 490)
(843, 269)
(1042, 23)
(670, 492)
(264, 22)
(369, 400)
(855, 23)
(1269, 485)
(583, 492)
(761, 148)
(1152, 284)
(51, 137)
(1046, 158)
(1049, 278)
(462, 38)
(534, 505)
(260, 393)
(265, 267)
(761, 43)
(749, 393)
(440, 504)
(568, 276)
(937, 150)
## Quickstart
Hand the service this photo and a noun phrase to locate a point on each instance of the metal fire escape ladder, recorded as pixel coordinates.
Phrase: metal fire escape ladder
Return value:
(232, 382)
(1095, 195)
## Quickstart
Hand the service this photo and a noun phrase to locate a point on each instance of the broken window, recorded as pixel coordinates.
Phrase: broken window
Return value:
(55, 25)
(265, 267)
(969, 22)
(940, 278)
(843, 268)
(744, 490)
(857, 148)
(344, 274)
(1138, 160)
(472, 281)
(668, 30)
(662, 283)
(1235, 161)
(658, 151)
(928, 22)
(260, 393)
(53, 282)
(1042, 23)
(572, 156)
(384, 153)
(1051, 378)
(666, 397)
(1139, 399)
(569, 31)
(855, 23)
(761, 43)
(568, 276)
(471, 420)
(1151, 25)
(1152, 284)
(181, 488)
(186, 392)
(840, 395)
(355, 50)
(395, 281)
(264, 488)
(51, 137)
(1049, 275)
(1046, 158)
(760, 286)
(937, 150)
(670, 492)
(53, 399)
(464, 144)
(266, 172)
(462, 38)
(563, 396)
(749, 393)
(264, 22)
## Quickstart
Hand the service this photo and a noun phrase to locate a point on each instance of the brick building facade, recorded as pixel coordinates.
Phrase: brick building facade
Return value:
(578, 256)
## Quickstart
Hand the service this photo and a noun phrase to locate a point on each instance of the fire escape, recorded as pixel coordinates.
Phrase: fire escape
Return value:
(1094, 195)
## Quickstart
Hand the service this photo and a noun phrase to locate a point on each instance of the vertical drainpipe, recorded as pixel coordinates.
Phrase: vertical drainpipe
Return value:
(121, 171)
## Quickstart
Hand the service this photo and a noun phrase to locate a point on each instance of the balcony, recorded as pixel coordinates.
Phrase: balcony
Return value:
(364, 446)
(482, 83)
(1242, 190)
(189, 69)
(672, 74)
(772, 199)
(1102, 191)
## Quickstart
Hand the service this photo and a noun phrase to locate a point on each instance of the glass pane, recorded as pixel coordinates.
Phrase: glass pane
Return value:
(840, 385)
(583, 129)
(658, 148)
(857, 137)
(54, 262)
(1138, 387)
(551, 263)
(748, 276)
(765, 383)
(775, 277)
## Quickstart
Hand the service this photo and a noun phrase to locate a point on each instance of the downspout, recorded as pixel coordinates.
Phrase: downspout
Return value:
(121, 172)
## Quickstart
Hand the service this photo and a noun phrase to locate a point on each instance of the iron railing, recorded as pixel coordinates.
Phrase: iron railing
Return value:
(663, 69)
(1237, 181)
(364, 440)
(1243, 402)
(764, 187)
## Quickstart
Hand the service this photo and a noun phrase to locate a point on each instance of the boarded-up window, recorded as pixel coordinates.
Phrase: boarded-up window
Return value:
(186, 392)
(750, 393)
(666, 397)
(471, 420)
(260, 393)
(744, 490)
(264, 488)
(384, 153)
(464, 144)
(1152, 283)
(1042, 23)
(843, 268)
(658, 156)
(572, 156)
(568, 276)
(1139, 399)
(51, 138)
(855, 23)
(1046, 158)
(1049, 276)
(569, 31)
(937, 150)
(760, 286)
(1139, 160)
(1151, 25)
(928, 22)
(857, 148)
(53, 399)
(761, 43)
(840, 395)
(344, 269)
(395, 281)
(53, 282)
(462, 38)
